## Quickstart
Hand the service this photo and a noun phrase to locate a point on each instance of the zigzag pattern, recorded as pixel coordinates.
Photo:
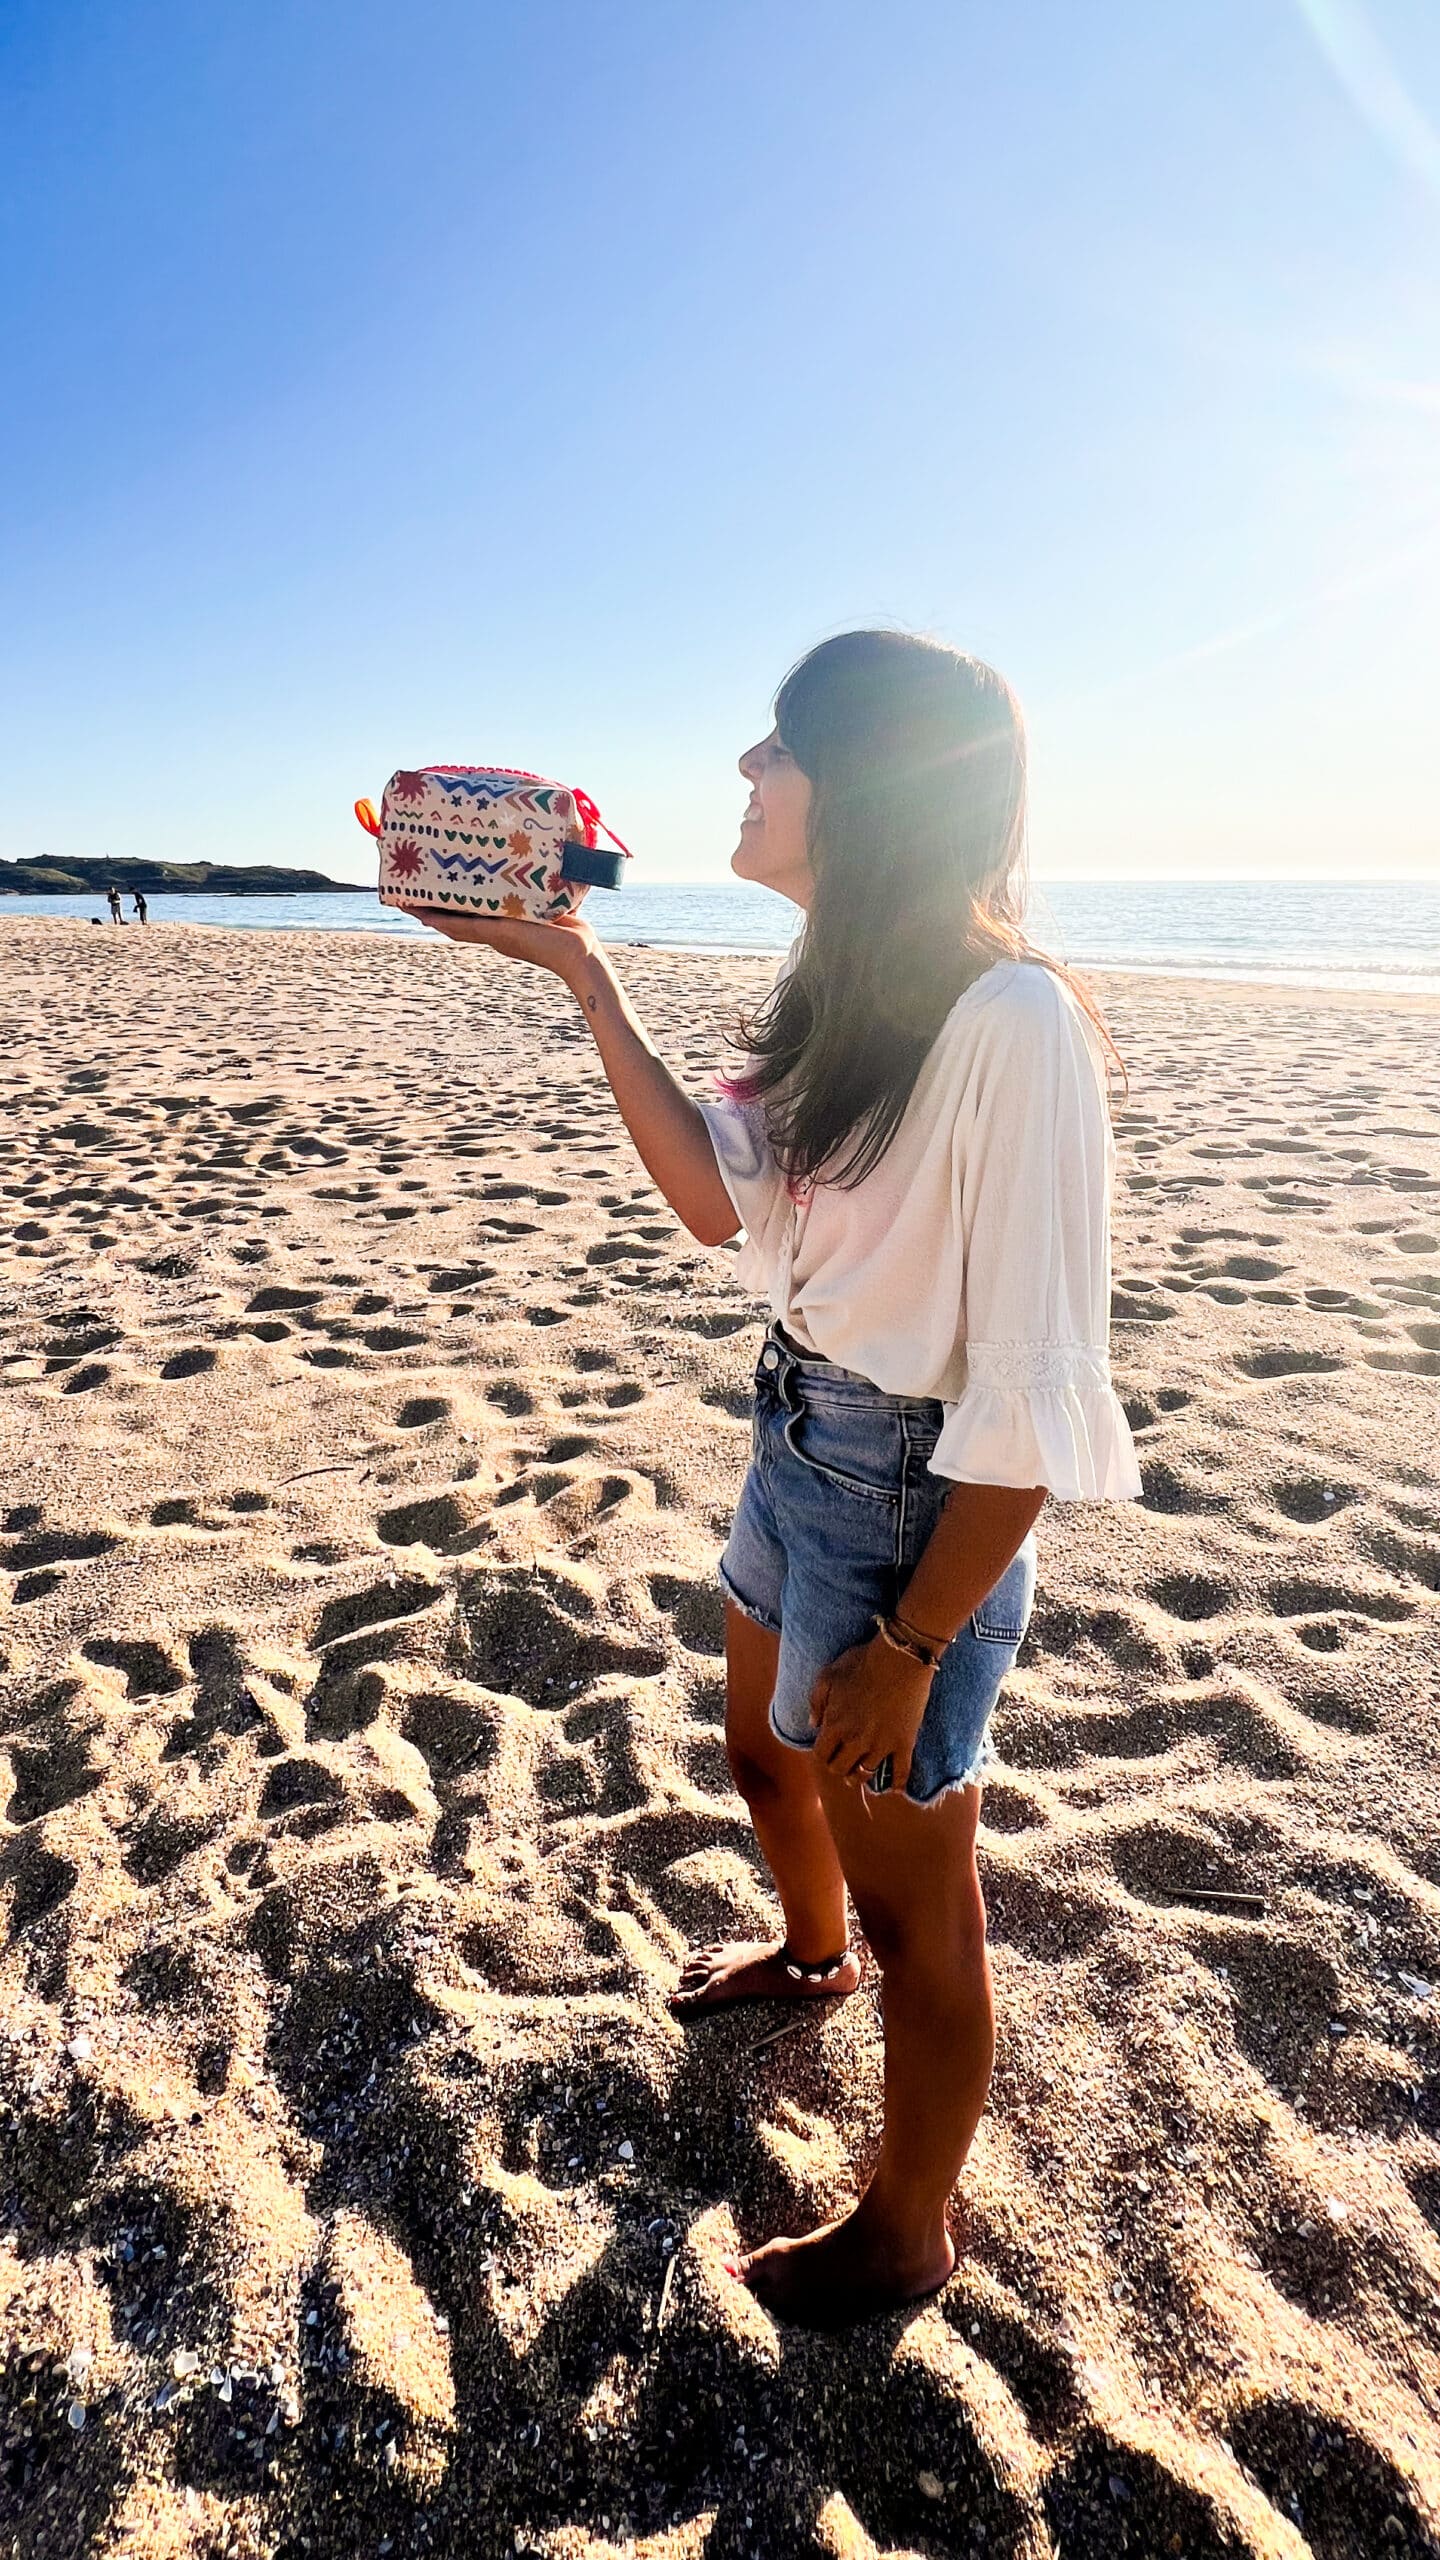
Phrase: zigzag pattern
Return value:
(489, 786)
(489, 867)
(476, 786)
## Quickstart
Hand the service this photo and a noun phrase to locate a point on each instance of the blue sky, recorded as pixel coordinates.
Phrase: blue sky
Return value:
(532, 384)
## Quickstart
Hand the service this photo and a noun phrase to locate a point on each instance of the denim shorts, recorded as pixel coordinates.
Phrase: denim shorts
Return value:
(836, 1507)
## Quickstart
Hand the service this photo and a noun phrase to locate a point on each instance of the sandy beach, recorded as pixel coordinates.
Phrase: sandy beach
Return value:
(368, 1437)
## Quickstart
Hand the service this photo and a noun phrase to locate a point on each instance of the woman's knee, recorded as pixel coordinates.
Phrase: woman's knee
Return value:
(943, 1943)
(759, 1774)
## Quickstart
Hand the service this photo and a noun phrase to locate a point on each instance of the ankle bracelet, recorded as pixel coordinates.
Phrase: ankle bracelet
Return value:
(825, 1972)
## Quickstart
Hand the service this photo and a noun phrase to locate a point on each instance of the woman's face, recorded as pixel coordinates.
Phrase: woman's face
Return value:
(774, 847)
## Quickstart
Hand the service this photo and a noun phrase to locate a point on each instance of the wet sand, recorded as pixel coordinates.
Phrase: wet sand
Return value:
(369, 1433)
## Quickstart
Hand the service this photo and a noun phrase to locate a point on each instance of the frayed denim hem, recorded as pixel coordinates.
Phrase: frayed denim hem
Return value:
(974, 1776)
(757, 1617)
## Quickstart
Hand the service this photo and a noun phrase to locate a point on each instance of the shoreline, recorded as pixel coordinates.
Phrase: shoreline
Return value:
(1391, 990)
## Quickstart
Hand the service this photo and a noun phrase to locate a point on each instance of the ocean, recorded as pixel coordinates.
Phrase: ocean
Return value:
(1346, 933)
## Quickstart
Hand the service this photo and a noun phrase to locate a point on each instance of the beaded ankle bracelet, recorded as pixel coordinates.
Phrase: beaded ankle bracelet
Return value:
(825, 1972)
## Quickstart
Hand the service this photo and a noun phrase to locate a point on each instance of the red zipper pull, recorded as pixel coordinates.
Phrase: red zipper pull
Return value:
(594, 824)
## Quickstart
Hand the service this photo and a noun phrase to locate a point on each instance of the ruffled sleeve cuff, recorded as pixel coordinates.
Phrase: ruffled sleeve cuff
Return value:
(1039, 1414)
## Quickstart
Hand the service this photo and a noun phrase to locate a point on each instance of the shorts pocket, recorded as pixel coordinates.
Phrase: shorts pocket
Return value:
(1004, 1613)
(854, 1447)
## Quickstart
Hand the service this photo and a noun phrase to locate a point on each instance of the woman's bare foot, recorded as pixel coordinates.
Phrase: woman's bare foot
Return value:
(848, 2271)
(747, 1969)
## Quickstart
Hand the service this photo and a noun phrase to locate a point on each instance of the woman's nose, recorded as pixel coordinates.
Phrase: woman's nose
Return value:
(750, 765)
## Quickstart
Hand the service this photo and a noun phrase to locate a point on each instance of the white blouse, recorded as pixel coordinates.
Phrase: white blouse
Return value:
(973, 1264)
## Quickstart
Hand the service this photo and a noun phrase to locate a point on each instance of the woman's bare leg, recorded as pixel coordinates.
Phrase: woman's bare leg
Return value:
(911, 1871)
(779, 1786)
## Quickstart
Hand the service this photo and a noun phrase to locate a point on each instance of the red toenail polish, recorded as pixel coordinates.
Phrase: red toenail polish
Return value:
(730, 2267)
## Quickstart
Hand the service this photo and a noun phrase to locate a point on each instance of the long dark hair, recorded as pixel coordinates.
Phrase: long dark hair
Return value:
(915, 755)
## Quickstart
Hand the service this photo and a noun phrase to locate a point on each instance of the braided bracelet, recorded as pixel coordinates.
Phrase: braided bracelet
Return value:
(907, 1640)
(917, 1635)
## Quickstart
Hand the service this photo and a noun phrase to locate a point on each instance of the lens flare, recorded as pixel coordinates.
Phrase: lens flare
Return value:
(1365, 70)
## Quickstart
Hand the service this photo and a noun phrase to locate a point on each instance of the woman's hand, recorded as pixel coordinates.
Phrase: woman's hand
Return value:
(867, 1708)
(560, 947)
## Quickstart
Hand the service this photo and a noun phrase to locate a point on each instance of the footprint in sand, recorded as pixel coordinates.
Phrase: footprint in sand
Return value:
(178, 1511)
(1191, 1596)
(449, 1522)
(192, 1363)
(1167, 1490)
(511, 1397)
(1410, 1364)
(695, 1608)
(52, 1773)
(150, 1672)
(36, 1586)
(1301, 1599)
(82, 1382)
(420, 1410)
(1285, 1364)
(1306, 1499)
(450, 1283)
(53, 1546)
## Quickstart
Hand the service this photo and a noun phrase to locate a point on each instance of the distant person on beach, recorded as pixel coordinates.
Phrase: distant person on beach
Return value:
(112, 900)
(141, 909)
(917, 1146)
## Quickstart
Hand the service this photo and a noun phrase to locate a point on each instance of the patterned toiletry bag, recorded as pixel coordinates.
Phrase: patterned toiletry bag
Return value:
(481, 840)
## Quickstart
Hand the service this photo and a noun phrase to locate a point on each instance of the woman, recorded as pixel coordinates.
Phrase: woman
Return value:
(919, 1153)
